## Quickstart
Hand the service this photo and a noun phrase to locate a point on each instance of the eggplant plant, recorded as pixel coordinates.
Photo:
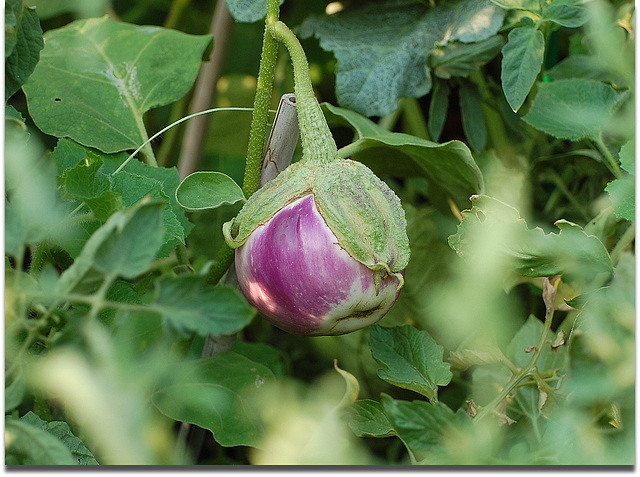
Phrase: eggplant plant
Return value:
(444, 275)
(321, 249)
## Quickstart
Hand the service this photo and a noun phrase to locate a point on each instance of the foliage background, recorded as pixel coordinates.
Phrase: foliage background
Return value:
(513, 341)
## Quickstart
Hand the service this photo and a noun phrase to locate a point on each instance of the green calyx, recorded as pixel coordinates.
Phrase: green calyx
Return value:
(360, 209)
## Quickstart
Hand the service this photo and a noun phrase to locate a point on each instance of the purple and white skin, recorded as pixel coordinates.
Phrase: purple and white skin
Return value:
(295, 273)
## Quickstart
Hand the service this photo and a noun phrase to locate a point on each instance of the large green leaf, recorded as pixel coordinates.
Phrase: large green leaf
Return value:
(574, 108)
(61, 430)
(410, 359)
(187, 304)
(28, 444)
(450, 164)
(97, 77)
(522, 57)
(382, 48)
(223, 394)
(532, 253)
(22, 44)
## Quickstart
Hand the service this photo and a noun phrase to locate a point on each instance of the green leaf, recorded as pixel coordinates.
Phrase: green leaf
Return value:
(382, 48)
(462, 59)
(574, 108)
(23, 42)
(438, 107)
(622, 191)
(522, 57)
(450, 165)
(531, 253)
(222, 394)
(109, 74)
(570, 16)
(263, 353)
(188, 305)
(410, 359)
(473, 123)
(248, 10)
(27, 444)
(85, 183)
(105, 192)
(366, 418)
(421, 425)
(61, 431)
(124, 246)
(207, 190)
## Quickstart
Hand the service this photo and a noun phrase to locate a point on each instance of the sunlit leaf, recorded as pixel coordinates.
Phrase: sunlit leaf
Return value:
(97, 77)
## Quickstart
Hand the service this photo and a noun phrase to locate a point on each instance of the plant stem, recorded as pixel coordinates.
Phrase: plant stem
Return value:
(262, 101)
(221, 263)
(604, 150)
(349, 150)
(529, 370)
(628, 237)
(176, 12)
(317, 141)
(416, 123)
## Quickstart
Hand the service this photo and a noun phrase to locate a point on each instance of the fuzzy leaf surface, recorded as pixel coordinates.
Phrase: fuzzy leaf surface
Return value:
(382, 48)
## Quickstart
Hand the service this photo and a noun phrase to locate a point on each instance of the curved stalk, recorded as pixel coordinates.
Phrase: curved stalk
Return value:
(317, 142)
